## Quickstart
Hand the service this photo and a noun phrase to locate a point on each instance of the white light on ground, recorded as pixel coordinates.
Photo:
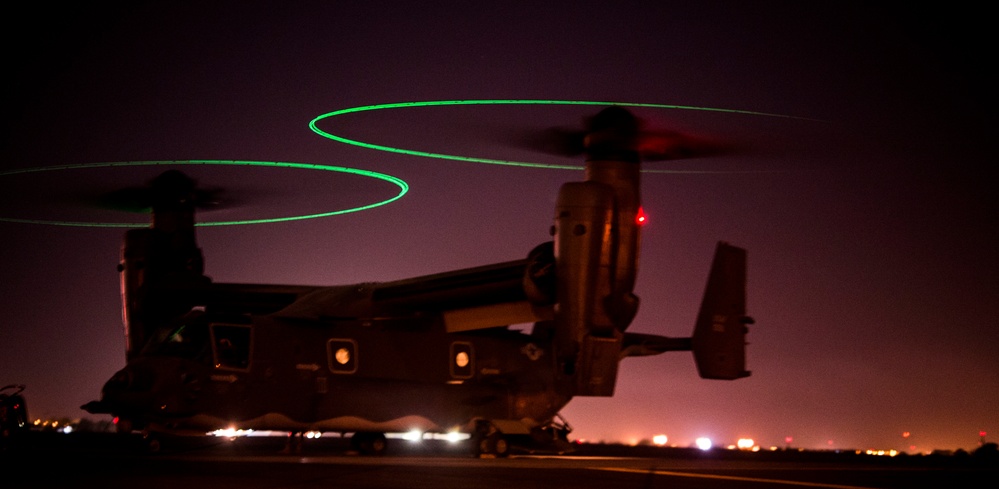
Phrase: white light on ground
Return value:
(455, 437)
(660, 440)
(704, 443)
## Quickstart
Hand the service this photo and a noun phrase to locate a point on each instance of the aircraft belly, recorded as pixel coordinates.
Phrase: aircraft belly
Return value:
(316, 400)
(356, 406)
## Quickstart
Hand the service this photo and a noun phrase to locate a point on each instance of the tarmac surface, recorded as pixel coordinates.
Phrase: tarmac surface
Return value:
(115, 462)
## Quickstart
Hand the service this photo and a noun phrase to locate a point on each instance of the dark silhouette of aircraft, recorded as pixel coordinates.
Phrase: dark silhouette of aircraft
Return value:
(13, 412)
(432, 353)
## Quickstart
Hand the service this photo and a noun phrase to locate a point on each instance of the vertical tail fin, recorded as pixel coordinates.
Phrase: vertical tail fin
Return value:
(719, 340)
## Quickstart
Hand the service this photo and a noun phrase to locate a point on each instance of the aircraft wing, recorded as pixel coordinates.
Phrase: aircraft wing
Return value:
(242, 298)
(468, 299)
(489, 284)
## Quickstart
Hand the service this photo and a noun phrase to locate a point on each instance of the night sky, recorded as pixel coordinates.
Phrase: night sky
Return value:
(869, 213)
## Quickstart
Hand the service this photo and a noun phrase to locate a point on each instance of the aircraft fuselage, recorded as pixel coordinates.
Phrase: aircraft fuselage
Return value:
(381, 374)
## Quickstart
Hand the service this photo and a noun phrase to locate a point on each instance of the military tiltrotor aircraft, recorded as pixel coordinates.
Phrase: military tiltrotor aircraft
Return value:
(434, 353)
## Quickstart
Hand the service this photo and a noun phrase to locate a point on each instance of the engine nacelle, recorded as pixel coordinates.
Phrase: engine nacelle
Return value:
(155, 276)
(132, 268)
(160, 264)
(587, 342)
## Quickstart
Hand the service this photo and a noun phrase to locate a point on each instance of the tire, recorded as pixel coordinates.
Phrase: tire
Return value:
(498, 445)
(368, 443)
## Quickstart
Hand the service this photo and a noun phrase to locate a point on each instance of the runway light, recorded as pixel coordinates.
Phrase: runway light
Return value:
(231, 433)
(453, 436)
(704, 443)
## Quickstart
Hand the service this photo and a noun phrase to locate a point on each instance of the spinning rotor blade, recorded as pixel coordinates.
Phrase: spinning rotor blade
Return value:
(615, 126)
(169, 187)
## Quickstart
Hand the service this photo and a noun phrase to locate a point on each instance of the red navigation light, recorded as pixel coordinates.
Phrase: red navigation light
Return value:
(640, 217)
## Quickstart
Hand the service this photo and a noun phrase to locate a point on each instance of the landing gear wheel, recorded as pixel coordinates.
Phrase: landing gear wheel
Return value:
(498, 445)
(151, 444)
(493, 445)
(368, 443)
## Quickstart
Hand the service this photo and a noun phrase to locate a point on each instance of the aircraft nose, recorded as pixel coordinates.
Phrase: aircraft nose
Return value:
(133, 378)
(164, 387)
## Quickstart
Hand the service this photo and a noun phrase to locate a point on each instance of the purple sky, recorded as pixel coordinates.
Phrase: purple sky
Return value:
(871, 230)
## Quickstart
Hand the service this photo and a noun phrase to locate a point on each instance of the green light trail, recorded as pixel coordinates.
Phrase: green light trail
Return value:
(403, 188)
(435, 103)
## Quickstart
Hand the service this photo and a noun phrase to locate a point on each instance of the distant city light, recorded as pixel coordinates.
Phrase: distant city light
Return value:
(660, 440)
(704, 443)
(882, 453)
(745, 443)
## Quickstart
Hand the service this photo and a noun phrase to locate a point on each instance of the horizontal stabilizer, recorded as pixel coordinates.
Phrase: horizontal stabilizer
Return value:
(719, 340)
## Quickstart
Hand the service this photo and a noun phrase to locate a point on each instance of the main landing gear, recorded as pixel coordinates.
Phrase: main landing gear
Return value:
(548, 438)
(369, 443)
(489, 442)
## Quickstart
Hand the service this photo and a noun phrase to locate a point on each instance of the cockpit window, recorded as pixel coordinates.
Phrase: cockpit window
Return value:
(232, 344)
(189, 339)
